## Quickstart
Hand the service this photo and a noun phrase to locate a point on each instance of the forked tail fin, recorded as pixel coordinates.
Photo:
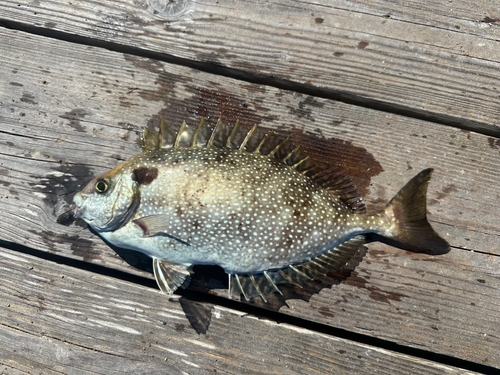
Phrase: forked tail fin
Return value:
(407, 213)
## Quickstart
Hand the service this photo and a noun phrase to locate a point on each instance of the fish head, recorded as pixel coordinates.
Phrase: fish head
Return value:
(109, 201)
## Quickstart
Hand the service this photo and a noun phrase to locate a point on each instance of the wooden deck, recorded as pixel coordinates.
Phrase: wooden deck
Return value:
(383, 89)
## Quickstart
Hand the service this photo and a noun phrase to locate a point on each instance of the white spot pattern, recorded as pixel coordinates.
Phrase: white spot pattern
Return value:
(245, 212)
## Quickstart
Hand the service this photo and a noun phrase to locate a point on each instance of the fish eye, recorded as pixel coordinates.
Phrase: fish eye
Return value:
(101, 186)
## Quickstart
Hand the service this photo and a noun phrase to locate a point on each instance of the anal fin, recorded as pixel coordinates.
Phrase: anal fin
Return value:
(265, 283)
(252, 285)
(169, 276)
(333, 260)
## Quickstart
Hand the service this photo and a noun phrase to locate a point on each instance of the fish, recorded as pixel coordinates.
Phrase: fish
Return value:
(247, 201)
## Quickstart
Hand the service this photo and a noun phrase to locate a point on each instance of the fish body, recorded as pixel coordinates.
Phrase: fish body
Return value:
(256, 208)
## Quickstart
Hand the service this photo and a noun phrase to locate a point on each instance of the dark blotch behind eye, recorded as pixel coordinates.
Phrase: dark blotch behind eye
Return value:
(144, 176)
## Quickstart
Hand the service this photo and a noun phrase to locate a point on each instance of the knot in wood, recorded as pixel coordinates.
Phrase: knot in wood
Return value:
(168, 10)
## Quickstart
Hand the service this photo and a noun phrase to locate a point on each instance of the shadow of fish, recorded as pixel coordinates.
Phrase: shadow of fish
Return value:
(247, 201)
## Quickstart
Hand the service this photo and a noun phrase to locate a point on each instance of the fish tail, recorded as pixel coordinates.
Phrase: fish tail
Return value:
(406, 213)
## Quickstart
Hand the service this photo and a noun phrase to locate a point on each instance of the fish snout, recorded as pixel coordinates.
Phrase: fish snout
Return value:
(77, 206)
(78, 200)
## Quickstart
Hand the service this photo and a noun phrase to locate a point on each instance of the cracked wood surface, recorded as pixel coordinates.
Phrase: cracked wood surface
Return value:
(69, 112)
(437, 59)
(57, 319)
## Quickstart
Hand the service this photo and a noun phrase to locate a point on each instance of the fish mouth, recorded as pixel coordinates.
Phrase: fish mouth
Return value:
(77, 205)
(75, 209)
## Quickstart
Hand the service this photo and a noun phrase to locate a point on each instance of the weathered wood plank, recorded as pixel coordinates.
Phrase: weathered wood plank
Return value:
(61, 97)
(58, 319)
(434, 59)
(430, 303)
(422, 302)
(128, 92)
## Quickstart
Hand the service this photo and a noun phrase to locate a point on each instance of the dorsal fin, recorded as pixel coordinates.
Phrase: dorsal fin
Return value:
(219, 135)
(265, 283)
(340, 185)
(281, 145)
(248, 136)
(164, 139)
(214, 131)
(290, 158)
(268, 143)
(232, 136)
(300, 162)
(167, 135)
(194, 139)
(149, 140)
(182, 134)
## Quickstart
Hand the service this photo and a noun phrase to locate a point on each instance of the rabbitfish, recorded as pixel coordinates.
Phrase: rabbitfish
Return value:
(247, 202)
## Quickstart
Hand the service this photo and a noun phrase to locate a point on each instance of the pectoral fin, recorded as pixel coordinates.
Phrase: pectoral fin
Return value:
(156, 225)
(169, 276)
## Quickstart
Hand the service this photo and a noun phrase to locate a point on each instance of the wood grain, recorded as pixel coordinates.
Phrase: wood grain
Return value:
(411, 298)
(48, 310)
(432, 59)
(69, 112)
(56, 133)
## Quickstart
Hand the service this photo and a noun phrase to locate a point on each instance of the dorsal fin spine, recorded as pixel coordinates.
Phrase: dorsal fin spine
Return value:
(212, 137)
(179, 134)
(163, 126)
(309, 170)
(166, 136)
(143, 139)
(315, 175)
(233, 132)
(278, 146)
(249, 134)
(296, 165)
(295, 150)
(266, 138)
(194, 140)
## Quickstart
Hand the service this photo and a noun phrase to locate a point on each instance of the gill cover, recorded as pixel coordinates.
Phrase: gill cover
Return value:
(109, 201)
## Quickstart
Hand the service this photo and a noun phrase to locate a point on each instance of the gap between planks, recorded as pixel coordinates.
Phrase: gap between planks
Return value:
(22, 255)
(63, 131)
(261, 79)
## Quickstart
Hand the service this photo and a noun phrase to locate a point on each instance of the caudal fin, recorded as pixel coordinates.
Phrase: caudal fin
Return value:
(407, 212)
